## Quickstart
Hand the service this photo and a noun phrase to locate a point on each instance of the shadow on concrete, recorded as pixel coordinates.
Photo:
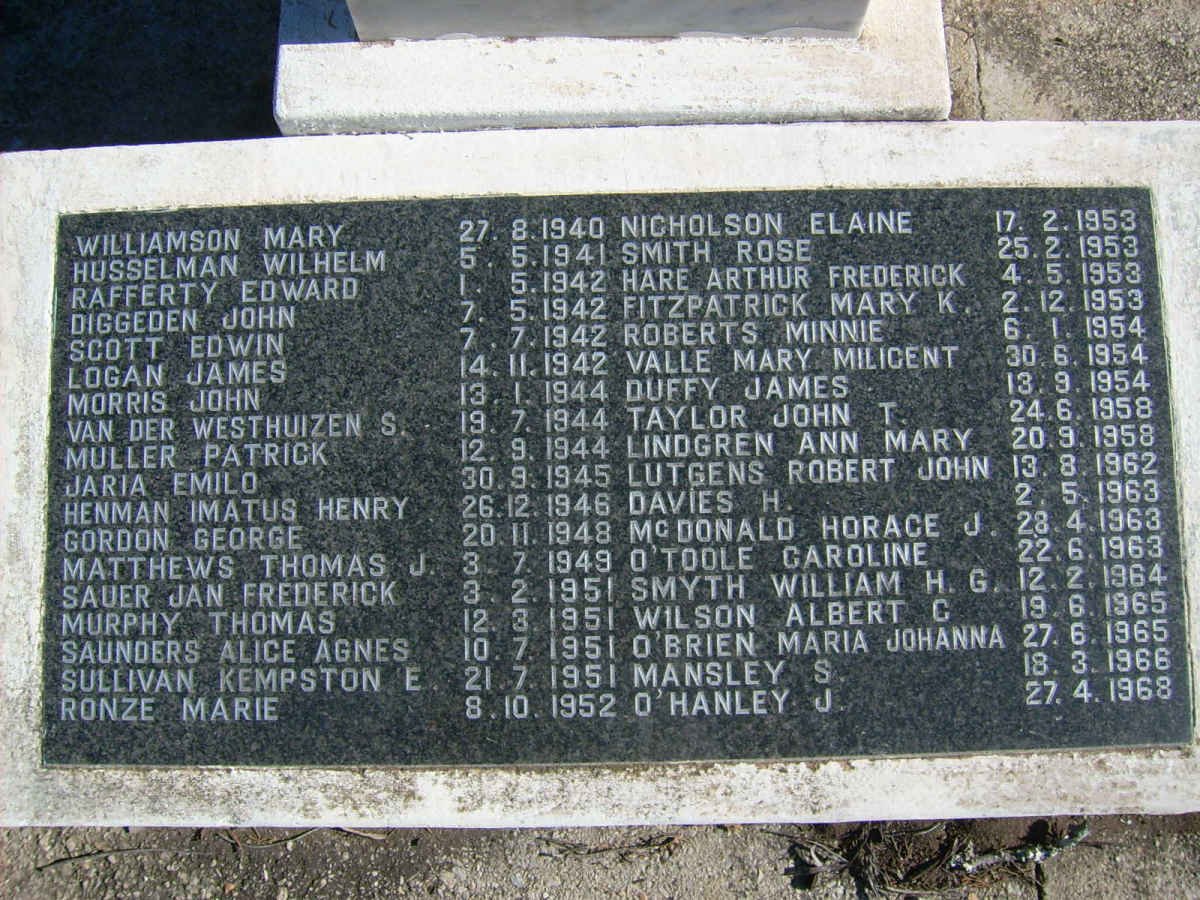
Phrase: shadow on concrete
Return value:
(77, 73)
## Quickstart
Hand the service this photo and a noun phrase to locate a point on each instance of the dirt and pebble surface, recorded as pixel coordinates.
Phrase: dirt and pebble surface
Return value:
(1074, 59)
(989, 860)
(87, 72)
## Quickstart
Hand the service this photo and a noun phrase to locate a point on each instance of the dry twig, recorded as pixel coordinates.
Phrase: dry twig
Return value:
(1036, 852)
(118, 851)
(233, 840)
(658, 843)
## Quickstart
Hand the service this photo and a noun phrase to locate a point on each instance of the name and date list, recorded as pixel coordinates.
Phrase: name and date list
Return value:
(612, 478)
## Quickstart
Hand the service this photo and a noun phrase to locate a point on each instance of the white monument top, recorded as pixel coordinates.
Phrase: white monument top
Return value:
(378, 20)
(331, 81)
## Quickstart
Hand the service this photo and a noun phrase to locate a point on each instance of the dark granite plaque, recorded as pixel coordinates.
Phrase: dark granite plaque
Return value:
(612, 478)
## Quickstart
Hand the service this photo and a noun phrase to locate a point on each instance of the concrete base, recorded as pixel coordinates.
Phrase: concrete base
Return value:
(38, 187)
(328, 83)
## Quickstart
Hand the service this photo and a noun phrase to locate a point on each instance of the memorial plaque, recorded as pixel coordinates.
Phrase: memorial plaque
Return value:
(612, 478)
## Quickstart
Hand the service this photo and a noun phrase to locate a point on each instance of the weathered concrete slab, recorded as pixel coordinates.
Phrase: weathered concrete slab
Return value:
(40, 187)
(329, 84)
(1029, 59)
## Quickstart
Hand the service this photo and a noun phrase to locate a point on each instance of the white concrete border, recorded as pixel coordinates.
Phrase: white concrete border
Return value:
(36, 187)
(897, 69)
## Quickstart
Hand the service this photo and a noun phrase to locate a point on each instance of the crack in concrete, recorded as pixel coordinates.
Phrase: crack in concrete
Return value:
(973, 49)
(978, 76)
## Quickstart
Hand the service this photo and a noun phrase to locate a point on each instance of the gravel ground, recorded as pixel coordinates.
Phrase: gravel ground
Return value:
(1120, 857)
(92, 72)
